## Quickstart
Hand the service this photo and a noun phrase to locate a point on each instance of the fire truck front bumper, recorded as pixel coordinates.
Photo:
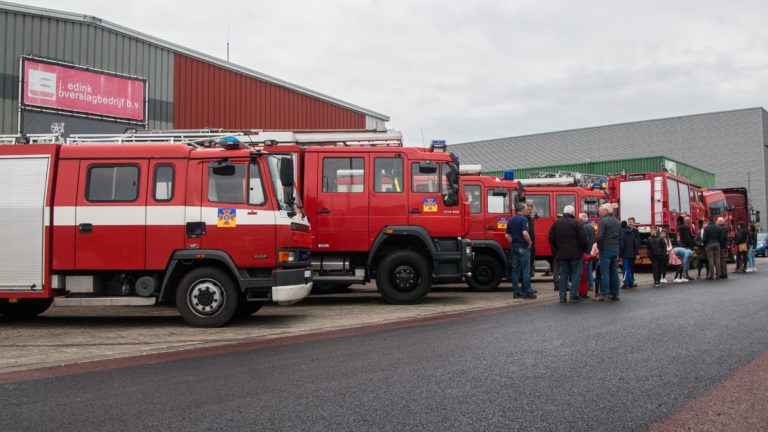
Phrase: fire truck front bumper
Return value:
(291, 285)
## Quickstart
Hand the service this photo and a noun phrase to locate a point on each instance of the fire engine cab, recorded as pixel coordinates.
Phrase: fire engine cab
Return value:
(196, 219)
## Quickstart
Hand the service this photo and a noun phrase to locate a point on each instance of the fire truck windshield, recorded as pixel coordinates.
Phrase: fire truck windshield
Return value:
(717, 207)
(282, 193)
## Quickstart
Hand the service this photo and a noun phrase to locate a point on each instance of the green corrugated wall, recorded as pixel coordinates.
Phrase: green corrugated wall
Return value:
(698, 177)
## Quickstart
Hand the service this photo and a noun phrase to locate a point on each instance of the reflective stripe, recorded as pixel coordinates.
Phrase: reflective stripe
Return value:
(163, 215)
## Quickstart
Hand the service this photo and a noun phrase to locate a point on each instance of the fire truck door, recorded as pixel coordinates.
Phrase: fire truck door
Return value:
(342, 203)
(427, 208)
(166, 194)
(542, 203)
(498, 214)
(110, 217)
(389, 200)
(239, 212)
(473, 194)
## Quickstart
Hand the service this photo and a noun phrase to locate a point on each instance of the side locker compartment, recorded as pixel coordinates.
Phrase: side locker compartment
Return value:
(166, 190)
(23, 220)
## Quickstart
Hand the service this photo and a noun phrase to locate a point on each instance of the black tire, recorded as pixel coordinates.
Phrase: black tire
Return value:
(247, 309)
(207, 297)
(404, 277)
(24, 309)
(487, 273)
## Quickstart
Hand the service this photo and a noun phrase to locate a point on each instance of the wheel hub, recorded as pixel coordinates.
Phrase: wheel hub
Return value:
(483, 274)
(406, 278)
(206, 297)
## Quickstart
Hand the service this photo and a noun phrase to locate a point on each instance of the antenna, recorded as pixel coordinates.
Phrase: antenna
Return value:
(227, 42)
(423, 144)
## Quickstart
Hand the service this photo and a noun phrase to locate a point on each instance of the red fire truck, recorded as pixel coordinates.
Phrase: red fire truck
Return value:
(656, 199)
(150, 218)
(492, 201)
(379, 211)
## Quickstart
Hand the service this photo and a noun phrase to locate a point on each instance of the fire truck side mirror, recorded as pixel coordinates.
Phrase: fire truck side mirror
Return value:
(286, 172)
(427, 167)
(222, 167)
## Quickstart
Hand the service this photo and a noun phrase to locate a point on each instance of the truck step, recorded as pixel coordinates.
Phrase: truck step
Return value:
(346, 279)
(104, 301)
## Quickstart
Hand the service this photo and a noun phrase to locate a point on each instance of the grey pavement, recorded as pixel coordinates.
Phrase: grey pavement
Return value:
(592, 367)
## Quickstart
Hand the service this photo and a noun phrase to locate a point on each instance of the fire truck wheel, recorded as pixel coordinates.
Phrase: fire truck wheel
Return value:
(248, 308)
(403, 277)
(24, 308)
(486, 273)
(207, 297)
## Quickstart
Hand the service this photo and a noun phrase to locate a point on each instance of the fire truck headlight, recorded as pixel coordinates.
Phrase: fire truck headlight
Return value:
(468, 250)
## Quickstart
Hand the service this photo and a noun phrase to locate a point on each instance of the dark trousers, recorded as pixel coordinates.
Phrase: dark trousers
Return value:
(713, 257)
(741, 261)
(657, 267)
(724, 261)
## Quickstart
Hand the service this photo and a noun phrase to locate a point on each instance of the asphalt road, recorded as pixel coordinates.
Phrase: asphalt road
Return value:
(596, 366)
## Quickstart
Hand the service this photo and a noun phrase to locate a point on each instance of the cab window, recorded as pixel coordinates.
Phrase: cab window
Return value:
(540, 204)
(388, 175)
(565, 200)
(424, 179)
(255, 185)
(343, 175)
(472, 194)
(591, 207)
(112, 183)
(163, 188)
(226, 185)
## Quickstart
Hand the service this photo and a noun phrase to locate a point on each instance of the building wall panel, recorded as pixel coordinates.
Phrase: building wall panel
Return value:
(209, 96)
(729, 144)
(83, 44)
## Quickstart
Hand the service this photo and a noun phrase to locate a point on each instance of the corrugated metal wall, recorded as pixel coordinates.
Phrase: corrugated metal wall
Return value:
(697, 176)
(83, 44)
(729, 144)
(209, 96)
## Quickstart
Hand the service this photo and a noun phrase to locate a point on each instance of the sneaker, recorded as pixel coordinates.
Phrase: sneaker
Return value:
(529, 296)
(663, 280)
(575, 300)
(516, 295)
(684, 280)
(562, 300)
(600, 298)
(657, 285)
(633, 285)
(677, 280)
(584, 296)
(615, 297)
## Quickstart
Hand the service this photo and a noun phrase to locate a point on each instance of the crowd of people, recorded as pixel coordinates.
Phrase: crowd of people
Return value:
(587, 258)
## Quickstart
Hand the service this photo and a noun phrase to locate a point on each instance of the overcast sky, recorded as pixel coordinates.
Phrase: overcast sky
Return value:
(472, 70)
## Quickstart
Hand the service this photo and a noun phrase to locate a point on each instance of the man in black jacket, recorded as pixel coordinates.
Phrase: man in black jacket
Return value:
(636, 236)
(568, 242)
(608, 242)
(724, 249)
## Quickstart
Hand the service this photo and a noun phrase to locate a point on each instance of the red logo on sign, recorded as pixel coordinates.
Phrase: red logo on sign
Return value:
(65, 88)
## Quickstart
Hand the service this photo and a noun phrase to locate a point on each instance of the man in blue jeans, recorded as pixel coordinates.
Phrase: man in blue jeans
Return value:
(608, 243)
(568, 242)
(520, 258)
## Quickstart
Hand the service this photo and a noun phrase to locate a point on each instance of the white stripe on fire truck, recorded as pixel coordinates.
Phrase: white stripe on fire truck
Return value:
(162, 215)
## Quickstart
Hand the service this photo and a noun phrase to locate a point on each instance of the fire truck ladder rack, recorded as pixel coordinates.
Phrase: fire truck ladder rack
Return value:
(562, 178)
(189, 137)
(206, 137)
(30, 139)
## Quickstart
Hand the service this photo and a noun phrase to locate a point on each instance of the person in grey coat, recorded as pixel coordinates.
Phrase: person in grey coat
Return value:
(608, 242)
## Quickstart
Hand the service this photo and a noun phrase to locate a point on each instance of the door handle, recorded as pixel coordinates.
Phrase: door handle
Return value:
(414, 211)
(489, 228)
(324, 211)
(195, 229)
(85, 228)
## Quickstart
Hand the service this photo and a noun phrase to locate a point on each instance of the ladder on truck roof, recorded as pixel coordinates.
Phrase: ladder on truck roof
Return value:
(562, 178)
(252, 137)
(31, 139)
